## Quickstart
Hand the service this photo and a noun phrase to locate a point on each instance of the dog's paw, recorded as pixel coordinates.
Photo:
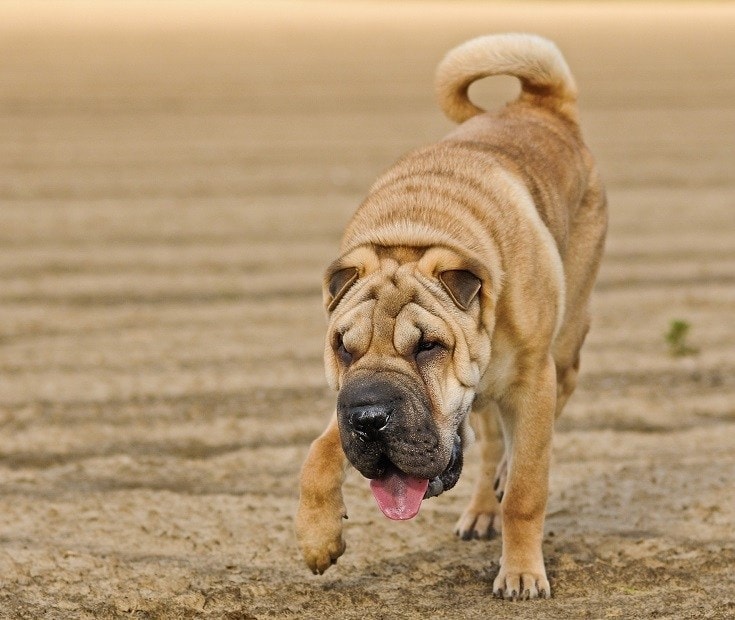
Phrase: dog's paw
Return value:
(320, 538)
(476, 523)
(320, 555)
(521, 585)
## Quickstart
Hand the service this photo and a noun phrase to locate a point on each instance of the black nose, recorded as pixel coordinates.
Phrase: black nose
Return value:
(369, 420)
(366, 407)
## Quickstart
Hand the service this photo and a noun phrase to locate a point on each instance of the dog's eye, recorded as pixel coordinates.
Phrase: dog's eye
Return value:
(344, 355)
(426, 345)
(425, 348)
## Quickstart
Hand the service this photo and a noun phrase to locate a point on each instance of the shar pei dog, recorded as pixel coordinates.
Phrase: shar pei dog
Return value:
(460, 302)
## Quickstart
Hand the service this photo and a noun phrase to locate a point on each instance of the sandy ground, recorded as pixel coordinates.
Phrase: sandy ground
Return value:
(173, 180)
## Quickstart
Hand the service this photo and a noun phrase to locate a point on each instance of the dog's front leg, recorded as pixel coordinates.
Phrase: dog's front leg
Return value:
(321, 507)
(527, 414)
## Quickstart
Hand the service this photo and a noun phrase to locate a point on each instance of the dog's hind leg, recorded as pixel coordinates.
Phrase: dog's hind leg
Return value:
(482, 518)
(501, 475)
(581, 260)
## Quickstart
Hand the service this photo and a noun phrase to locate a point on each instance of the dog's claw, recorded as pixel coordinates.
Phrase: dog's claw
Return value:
(319, 560)
(520, 586)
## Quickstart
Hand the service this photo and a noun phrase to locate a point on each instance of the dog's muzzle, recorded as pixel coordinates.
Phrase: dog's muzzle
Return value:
(386, 426)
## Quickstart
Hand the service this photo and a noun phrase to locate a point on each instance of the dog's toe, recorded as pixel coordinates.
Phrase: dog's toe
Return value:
(516, 585)
(319, 560)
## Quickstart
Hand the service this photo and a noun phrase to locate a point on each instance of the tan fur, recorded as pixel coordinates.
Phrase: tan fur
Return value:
(512, 198)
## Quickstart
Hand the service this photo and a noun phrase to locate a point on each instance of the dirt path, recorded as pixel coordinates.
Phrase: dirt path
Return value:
(173, 180)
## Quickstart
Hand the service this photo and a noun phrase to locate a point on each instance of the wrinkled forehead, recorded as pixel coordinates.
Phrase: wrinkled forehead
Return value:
(391, 298)
(391, 288)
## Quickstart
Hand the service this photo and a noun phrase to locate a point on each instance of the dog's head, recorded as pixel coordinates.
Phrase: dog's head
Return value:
(408, 340)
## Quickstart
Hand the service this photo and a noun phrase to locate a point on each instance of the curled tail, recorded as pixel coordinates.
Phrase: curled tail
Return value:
(545, 77)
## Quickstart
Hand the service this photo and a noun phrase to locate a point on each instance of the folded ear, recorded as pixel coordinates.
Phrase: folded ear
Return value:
(339, 283)
(462, 286)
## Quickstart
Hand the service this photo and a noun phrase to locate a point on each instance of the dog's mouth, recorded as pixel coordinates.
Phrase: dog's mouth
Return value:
(399, 495)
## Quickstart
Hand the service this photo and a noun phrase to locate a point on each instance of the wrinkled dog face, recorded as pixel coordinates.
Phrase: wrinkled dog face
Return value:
(405, 348)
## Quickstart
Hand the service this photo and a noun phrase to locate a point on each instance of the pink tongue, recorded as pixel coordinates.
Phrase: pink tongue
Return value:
(399, 495)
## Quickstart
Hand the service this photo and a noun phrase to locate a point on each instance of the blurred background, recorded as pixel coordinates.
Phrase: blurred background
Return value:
(174, 177)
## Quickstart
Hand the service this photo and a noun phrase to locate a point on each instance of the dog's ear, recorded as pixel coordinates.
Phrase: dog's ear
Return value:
(339, 283)
(462, 286)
